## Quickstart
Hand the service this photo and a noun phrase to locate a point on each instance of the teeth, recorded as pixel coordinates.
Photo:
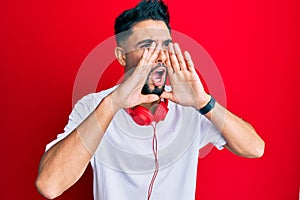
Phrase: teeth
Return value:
(160, 71)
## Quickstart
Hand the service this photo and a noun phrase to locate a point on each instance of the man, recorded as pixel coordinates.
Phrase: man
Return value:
(119, 130)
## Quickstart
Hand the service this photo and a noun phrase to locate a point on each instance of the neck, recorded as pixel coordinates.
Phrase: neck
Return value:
(151, 106)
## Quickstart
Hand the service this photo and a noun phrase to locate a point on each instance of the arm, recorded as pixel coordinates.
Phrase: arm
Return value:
(240, 136)
(64, 163)
(188, 90)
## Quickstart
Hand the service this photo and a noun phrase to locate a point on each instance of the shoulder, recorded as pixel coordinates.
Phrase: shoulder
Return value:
(98, 95)
(93, 99)
(89, 102)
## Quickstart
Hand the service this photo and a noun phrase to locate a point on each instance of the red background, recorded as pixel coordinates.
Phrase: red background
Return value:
(254, 43)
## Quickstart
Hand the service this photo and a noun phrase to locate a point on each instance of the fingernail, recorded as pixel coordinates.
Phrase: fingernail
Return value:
(187, 55)
(177, 48)
(171, 47)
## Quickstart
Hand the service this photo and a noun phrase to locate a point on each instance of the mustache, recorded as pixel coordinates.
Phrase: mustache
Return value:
(157, 66)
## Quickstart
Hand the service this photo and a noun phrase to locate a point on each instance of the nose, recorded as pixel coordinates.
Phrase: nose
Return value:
(162, 56)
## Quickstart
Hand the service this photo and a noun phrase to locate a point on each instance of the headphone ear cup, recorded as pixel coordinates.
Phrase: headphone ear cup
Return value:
(143, 116)
(161, 111)
(140, 115)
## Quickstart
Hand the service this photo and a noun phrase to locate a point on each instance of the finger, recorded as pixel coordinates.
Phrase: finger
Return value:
(143, 58)
(180, 57)
(155, 53)
(142, 64)
(189, 61)
(149, 98)
(173, 58)
(141, 71)
(167, 95)
(168, 63)
(151, 50)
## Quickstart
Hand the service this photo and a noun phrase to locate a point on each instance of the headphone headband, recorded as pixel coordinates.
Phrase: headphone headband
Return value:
(144, 117)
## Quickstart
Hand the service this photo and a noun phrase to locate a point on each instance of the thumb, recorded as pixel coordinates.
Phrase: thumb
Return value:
(149, 98)
(167, 95)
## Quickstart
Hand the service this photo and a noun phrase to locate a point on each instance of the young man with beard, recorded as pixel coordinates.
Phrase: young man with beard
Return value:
(118, 129)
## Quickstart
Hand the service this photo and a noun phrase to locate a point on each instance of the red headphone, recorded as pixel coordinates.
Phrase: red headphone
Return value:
(144, 117)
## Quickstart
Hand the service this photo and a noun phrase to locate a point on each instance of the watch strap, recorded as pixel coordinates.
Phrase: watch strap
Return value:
(208, 107)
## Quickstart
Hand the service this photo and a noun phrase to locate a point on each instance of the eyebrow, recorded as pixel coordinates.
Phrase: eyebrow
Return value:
(150, 41)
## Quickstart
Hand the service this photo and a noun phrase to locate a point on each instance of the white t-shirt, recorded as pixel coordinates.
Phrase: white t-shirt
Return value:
(123, 163)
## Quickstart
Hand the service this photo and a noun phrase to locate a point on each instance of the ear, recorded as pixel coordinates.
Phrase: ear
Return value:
(120, 55)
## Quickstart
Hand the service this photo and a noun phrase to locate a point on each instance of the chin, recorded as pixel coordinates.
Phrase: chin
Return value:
(158, 90)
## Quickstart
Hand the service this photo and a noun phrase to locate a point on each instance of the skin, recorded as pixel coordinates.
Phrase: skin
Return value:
(64, 163)
(147, 35)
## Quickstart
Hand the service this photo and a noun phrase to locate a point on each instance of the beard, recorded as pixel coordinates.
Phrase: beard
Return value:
(147, 89)
(150, 87)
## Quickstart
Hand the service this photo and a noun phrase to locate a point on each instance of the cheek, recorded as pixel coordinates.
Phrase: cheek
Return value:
(132, 59)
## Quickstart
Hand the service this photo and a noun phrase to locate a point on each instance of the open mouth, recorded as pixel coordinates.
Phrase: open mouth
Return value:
(156, 81)
(157, 76)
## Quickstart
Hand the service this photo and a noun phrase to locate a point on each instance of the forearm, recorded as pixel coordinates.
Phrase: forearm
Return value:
(240, 136)
(63, 164)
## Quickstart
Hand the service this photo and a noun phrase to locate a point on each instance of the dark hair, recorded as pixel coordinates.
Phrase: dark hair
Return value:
(146, 9)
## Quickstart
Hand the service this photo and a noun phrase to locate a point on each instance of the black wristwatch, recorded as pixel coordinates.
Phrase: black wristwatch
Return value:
(208, 107)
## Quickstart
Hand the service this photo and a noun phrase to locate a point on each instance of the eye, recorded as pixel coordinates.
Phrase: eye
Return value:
(146, 45)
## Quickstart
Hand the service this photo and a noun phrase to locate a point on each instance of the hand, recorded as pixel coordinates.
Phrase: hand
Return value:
(128, 94)
(187, 89)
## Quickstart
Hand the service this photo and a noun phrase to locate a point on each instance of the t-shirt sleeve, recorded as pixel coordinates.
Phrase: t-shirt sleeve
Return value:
(210, 134)
(82, 109)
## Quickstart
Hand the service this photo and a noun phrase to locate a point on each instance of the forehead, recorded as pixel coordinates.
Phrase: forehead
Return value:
(149, 29)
